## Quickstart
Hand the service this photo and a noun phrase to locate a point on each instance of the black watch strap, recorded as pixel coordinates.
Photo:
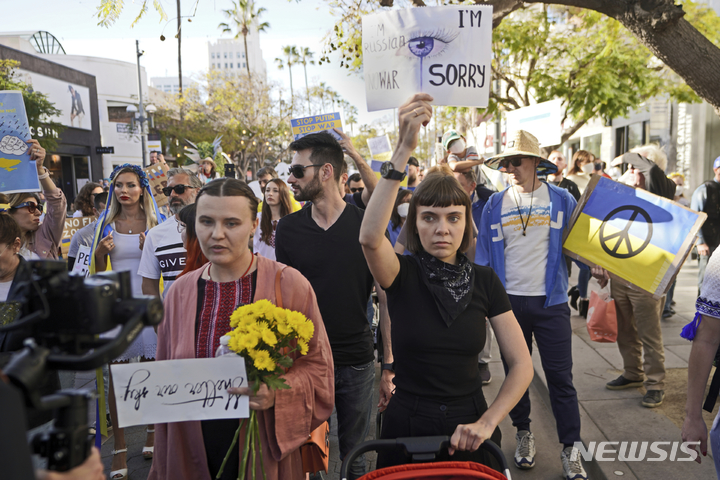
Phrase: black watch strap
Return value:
(387, 366)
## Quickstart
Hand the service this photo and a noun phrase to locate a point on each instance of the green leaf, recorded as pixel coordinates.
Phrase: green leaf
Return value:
(274, 382)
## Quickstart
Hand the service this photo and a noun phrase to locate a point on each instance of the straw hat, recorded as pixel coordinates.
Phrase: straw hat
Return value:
(522, 144)
(208, 160)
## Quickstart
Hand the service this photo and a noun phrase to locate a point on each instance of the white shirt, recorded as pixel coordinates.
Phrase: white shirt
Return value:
(526, 255)
(163, 254)
(4, 290)
(260, 247)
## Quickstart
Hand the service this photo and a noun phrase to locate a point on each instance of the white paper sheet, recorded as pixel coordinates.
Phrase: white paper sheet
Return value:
(179, 390)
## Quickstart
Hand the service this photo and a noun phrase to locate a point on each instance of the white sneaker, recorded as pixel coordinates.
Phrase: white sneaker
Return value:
(525, 450)
(572, 464)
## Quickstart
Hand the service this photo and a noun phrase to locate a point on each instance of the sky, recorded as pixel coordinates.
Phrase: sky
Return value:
(303, 23)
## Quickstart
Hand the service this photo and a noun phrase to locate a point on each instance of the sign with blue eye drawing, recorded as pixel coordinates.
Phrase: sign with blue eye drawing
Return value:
(443, 51)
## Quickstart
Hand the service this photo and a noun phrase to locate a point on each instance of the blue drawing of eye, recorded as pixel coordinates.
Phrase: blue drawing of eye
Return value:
(427, 44)
(422, 46)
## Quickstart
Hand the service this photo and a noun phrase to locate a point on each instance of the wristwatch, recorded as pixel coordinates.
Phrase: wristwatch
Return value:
(387, 170)
(387, 366)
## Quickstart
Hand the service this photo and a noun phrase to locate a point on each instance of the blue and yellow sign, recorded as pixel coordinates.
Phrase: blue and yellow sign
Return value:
(639, 237)
(316, 124)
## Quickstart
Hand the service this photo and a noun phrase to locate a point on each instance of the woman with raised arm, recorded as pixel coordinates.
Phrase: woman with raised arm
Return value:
(39, 240)
(438, 301)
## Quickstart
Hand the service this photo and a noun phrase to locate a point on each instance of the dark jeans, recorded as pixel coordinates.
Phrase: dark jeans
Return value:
(412, 416)
(669, 298)
(583, 281)
(353, 404)
(553, 334)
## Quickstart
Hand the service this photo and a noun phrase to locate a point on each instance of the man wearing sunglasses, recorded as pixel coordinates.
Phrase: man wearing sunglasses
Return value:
(163, 251)
(520, 237)
(322, 242)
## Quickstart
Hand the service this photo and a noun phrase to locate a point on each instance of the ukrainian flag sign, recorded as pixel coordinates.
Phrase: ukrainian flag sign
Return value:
(381, 152)
(640, 238)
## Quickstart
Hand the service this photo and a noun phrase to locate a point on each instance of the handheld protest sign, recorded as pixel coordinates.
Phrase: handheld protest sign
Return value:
(640, 238)
(17, 172)
(381, 152)
(316, 124)
(157, 176)
(443, 51)
(179, 390)
(72, 225)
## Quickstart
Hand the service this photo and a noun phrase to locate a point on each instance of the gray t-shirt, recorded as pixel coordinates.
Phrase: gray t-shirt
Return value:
(82, 237)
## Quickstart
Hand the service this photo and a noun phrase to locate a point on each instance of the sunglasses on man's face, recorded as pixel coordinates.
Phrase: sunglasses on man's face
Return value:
(179, 189)
(31, 207)
(515, 162)
(357, 189)
(298, 171)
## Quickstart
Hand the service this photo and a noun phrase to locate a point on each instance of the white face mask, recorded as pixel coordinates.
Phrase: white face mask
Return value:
(679, 190)
(588, 168)
(458, 146)
(402, 209)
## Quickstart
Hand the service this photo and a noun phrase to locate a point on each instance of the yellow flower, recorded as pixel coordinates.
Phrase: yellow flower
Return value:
(248, 340)
(262, 360)
(303, 347)
(305, 329)
(268, 336)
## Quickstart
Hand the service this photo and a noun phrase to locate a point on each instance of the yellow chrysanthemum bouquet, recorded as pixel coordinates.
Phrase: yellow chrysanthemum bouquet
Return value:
(265, 335)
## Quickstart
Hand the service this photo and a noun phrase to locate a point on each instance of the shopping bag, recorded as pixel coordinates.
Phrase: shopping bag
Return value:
(602, 318)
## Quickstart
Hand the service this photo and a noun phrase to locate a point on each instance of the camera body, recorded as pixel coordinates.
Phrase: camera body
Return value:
(64, 317)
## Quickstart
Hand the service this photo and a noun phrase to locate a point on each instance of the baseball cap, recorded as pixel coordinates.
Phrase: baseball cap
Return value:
(448, 137)
(413, 161)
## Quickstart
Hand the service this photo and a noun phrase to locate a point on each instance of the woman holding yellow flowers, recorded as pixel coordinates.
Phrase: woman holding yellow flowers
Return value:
(199, 309)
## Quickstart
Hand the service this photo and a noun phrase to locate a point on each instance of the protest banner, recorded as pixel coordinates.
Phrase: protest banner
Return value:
(17, 172)
(641, 239)
(179, 390)
(443, 51)
(316, 124)
(381, 151)
(157, 176)
(72, 225)
(82, 261)
(544, 120)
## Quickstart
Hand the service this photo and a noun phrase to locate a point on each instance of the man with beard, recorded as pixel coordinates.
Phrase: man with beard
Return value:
(163, 251)
(413, 170)
(322, 242)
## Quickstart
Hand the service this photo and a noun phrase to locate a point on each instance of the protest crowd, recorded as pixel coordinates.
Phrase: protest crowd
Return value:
(455, 264)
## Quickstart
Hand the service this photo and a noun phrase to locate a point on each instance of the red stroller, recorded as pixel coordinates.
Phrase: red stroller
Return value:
(424, 449)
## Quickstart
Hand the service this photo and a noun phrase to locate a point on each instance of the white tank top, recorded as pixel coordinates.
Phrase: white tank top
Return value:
(126, 257)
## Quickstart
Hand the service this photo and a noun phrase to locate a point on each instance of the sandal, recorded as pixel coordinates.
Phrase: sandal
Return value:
(148, 452)
(120, 474)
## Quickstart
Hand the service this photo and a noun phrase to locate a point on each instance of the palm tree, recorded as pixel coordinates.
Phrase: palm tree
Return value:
(291, 53)
(306, 56)
(244, 16)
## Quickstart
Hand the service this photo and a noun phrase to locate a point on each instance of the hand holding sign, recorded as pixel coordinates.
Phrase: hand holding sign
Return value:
(414, 113)
(264, 399)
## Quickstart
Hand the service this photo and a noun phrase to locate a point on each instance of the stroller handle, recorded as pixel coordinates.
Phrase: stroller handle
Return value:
(422, 449)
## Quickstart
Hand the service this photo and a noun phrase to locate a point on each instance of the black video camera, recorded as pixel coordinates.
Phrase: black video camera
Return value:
(61, 318)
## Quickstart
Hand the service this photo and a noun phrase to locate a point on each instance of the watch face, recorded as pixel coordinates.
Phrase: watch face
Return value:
(385, 168)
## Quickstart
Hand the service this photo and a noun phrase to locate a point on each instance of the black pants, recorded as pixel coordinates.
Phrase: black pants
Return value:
(411, 416)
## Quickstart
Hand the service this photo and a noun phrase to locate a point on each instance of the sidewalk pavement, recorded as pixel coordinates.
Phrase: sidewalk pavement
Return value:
(607, 415)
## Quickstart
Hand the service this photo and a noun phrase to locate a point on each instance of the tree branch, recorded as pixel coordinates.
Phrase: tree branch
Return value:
(501, 8)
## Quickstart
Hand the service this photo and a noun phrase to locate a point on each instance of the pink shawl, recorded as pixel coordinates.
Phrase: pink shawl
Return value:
(179, 448)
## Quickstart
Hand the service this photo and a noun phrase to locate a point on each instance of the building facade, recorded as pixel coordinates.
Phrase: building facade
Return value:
(229, 54)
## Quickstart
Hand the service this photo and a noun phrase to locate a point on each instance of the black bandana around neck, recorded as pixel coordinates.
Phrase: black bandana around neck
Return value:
(450, 285)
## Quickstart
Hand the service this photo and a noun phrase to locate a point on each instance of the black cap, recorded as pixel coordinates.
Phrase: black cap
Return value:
(413, 161)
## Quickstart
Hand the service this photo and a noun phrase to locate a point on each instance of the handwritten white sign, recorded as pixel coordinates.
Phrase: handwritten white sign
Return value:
(444, 51)
(82, 261)
(179, 390)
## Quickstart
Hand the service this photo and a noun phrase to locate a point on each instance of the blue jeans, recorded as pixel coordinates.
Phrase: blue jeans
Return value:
(553, 334)
(353, 403)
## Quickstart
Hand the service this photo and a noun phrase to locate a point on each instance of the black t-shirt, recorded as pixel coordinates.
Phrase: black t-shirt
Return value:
(433, 360)
(333, 262)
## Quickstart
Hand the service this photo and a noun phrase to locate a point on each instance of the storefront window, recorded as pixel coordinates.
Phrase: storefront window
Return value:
(635, 135)
(592, 144)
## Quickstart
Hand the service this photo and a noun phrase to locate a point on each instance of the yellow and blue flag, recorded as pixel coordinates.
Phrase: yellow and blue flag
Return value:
(640, 237)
